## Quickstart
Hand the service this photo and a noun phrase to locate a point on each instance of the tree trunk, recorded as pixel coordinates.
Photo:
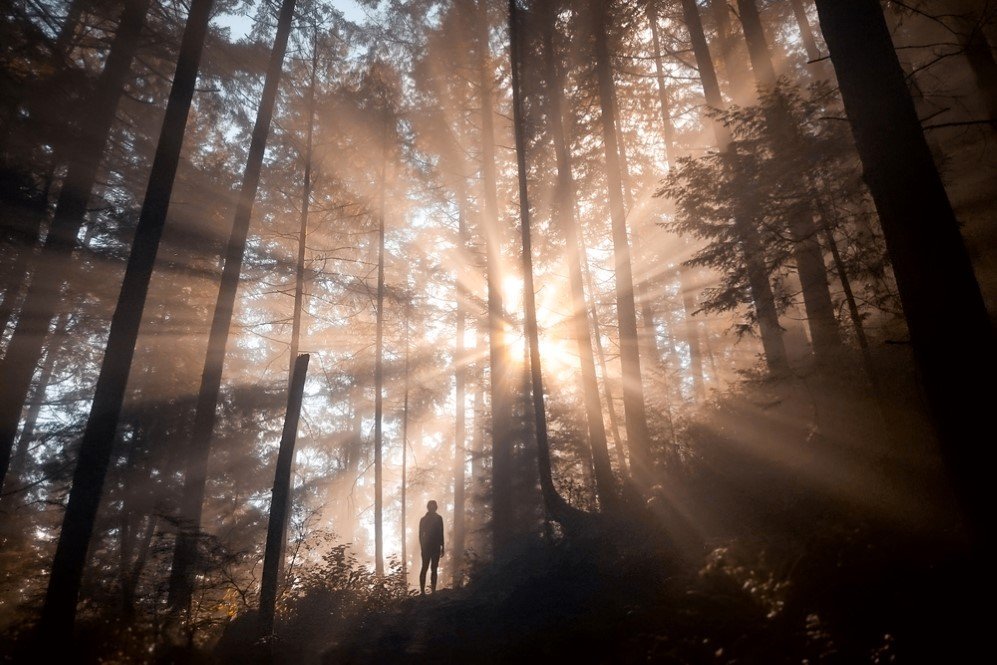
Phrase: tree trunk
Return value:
(758, 281)
(59, 611)
(460, 422)
(280, 502)
(638, 437)
(404, 488)
(824, 333)
(42, 299)
(555, 506)
(735, 70)
(379, 369)
(806, 34)
(501, 377)
(299, 269)
(614, 420)
(949, 327)
(195, 473)
(564, 201)
(306, 199)
(667, 129)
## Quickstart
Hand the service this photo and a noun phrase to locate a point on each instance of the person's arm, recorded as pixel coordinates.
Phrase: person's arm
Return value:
(442, 531)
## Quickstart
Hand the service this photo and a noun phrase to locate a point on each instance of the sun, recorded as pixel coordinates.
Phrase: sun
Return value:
(558, 356)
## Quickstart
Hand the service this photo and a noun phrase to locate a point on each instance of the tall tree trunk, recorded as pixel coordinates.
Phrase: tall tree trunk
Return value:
(42, 299)
(758, 281)
(460, 422)
(824, 333)
(614, 420)
(195, 472)
(280, 501)
(950, 330)
(555, 506)
(668, 134)
(806, 34)
(564, 201)
(735, 70)
(638, 437)
(692, 332)
(59, 610)
(405, 414)
(130, 583)
(299, 268)
(501, 377)
(306, 199)
(379, 370)
(667, 129)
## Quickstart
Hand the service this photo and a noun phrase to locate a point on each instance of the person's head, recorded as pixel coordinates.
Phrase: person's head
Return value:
(432, 507)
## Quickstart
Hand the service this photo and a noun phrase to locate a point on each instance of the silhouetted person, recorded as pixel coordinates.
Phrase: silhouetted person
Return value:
(431, 543)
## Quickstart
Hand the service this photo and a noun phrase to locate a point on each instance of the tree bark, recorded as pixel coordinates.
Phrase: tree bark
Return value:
(757, 272)
(42, 298)
(460, 421)
(59, 610)
(565, 205)
(280, 502)
(379, 368)
(501, 376)
(950, 330)
(555, 506)
(638, 437)
(195, 472)
(824, 333)
(806, 33)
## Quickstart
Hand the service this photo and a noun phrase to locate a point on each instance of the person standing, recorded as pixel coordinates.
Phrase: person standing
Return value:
(431, 544)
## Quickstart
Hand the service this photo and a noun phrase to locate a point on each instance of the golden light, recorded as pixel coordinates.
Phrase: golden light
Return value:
(558, 356)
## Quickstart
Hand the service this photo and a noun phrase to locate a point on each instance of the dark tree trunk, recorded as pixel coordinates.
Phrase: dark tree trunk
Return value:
(404, 487)
(614, 420)
(460, 420)
(59, 611)
(806, 34)
(306, 199)
(501, 376)
(564, 210)
(554, 504)
(667, 129)
(379, 367)
(757, 271)
(638, 437)
(280, 501)
(42, 298)
(195, 472)
(950, 331)
(824, 333)
(735, 70)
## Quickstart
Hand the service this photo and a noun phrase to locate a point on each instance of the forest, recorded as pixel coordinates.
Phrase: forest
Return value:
(680, 314)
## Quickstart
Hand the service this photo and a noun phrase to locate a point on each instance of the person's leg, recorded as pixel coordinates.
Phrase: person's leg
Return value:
(422, 573)
(436, 565)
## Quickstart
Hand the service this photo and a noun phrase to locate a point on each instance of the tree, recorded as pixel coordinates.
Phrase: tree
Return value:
(59, 610)
(638, 437)
(949, 327)
(41, 300)
(195, 472)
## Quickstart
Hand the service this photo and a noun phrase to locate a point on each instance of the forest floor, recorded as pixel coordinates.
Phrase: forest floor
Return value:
(821, 539)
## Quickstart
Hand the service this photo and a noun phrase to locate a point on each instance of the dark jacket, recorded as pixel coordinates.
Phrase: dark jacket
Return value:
(431, 532)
